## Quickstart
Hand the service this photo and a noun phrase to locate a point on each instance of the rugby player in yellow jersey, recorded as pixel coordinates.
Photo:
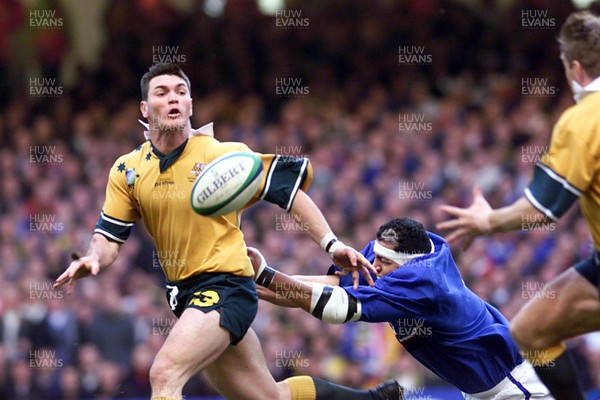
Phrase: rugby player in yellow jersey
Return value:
(209, 275)
(569, 171)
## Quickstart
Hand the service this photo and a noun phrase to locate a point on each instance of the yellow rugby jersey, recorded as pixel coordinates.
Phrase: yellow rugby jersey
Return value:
(570, 169)
(156, 188)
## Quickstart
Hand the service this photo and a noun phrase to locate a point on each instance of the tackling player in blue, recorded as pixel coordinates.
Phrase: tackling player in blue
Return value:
(420, 293)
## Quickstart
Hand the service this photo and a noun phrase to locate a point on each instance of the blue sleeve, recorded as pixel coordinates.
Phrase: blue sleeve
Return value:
(401, 294)
(346, 280)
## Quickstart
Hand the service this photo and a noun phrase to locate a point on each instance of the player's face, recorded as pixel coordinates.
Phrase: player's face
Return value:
(169, 105)
(384, 265)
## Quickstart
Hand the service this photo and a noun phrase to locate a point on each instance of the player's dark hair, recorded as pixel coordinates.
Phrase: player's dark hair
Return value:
(406, 235)
(579, 40)
(162, 69)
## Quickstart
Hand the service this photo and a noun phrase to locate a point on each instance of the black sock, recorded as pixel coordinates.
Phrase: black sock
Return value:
(561, 378)
(330, 391)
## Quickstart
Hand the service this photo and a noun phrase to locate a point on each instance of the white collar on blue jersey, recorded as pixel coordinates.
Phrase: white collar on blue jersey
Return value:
(397, 256)
(205, 130)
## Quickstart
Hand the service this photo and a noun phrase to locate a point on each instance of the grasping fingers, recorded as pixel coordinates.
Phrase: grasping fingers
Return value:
(78, 269)
(349, 259)
(469, 222)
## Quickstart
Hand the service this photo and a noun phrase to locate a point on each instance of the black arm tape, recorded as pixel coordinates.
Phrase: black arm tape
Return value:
(266, 277)
(323, 300)
(352, 307)
(328, 246)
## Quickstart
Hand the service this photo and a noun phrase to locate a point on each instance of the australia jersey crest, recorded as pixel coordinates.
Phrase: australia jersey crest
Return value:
(198, 167)
(196, 170)
(130, 177)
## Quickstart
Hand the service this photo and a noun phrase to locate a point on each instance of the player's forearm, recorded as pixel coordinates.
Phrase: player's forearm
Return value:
(287, 290)
(274, 298)
(307, 214)
(516, 216)
(330, 304)
(104, 250)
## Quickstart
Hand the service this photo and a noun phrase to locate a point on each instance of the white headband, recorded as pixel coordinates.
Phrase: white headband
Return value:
(397, 256)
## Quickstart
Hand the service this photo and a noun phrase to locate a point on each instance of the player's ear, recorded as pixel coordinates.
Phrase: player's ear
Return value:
(144, 108)
(192, 107)
(580, 73)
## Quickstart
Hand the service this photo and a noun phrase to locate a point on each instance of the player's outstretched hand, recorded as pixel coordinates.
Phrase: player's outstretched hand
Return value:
(78, 269)
(469, 222)
(349, 259)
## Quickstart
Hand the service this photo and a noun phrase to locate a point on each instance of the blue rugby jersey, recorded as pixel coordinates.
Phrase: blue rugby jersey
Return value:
(440, 322)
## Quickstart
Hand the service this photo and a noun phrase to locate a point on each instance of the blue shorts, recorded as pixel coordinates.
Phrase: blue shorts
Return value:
(590, 269)
(233, 297)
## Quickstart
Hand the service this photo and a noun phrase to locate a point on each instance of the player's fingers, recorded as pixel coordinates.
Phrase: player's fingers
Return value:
(341, 273)
(262, 292)
(355, 279)
(456, 235)
(362, 260)
(365, 272)
(94, 267)
(58, 282)
(452, 210)
(71, 287)
(451, 224)
(76, 270)
(351, 254)
(65, 276)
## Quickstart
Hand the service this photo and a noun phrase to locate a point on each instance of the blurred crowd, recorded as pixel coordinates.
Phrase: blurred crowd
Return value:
(387, 137)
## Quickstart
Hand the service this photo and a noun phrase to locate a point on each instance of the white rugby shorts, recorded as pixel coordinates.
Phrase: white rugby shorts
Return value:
(521, 384)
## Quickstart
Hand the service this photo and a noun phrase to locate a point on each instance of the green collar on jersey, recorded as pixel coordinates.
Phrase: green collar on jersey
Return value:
(167, 160)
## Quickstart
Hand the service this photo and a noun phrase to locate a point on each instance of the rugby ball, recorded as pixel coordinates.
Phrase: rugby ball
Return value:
(227, 184)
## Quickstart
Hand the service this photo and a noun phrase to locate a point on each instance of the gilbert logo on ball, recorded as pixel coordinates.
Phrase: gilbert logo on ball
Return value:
(227, 184)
